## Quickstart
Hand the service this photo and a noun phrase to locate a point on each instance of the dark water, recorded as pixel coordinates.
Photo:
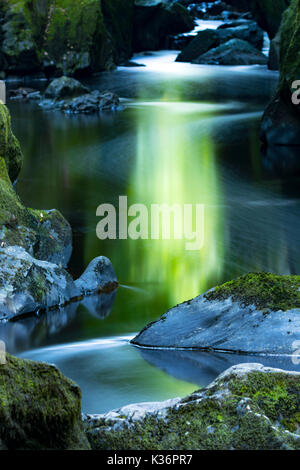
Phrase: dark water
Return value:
(188, 134)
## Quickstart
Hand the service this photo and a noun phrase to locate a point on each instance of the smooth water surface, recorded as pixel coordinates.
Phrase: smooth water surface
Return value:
(188, 134)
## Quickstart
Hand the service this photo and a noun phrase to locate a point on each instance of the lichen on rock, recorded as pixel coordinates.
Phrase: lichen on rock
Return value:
(40, 409)
(258, 313)
(248, 407)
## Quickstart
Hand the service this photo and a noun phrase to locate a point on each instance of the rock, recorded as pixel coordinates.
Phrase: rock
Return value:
(18, 46)
(267, 13)
(29, 285)
(154, 22)
(281, 120)
(99, 276)
(233, 52)
(256, 313)
(209, 39)
(10, 150)
(45, 235)
(65, 87)
(248, 407)
(40, 408)
(274, 53)
(87, 103)
(65, 37)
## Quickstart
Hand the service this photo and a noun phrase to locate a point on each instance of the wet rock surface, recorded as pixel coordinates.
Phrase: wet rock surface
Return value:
(257, 313)
(29, 285)
(233, 52)
(247, 407)
(40, 408)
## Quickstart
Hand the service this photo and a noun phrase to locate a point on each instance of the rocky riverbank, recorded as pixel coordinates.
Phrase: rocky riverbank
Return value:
(35, 247)
(248, 407)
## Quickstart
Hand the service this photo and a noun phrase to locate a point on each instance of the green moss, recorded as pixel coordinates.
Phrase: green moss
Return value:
(39, 407)
(264, 290)
(290, 44)
(40, 233)
(216, 419)
(10, 149)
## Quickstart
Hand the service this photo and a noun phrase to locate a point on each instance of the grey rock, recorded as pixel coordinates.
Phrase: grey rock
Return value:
(65, 87)
(99, 276)
(233, 52)
(29, 285)
(246, 407)
(228, 324)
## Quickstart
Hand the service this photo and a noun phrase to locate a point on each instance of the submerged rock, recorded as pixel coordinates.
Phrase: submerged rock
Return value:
(256, 313)
(233, 52)
(248, 407)
(34, 245)
(40, 408)
(155, 21)
(65, 37)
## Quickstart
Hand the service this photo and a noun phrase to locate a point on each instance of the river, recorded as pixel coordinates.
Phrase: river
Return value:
(187, 134)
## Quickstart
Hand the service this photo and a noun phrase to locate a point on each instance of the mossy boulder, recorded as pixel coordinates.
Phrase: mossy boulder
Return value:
(10, 150)
(233, 52)
(256, 313)
(28, 285)
(40, 409)
(44, 234)
(63, 36)
(154, 22)
(248, 407)
(281, 121)
(209, 39)
(268, 13)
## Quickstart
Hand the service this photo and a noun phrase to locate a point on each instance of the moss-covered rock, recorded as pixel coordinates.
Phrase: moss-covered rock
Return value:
(10, 150)
(248, 407)
(44, 234)
(264, 290)
(257, 313)
(281, 121)
(40, 409)
(66, 36)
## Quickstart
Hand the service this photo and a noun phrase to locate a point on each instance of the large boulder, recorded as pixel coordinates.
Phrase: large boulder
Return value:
(209, 39)
(44, 234)
(256, 313)
(40, 408)
(233, 52)
(154, 22)
(63, 36)
(281, 121)
(248, 407)
(10, 150)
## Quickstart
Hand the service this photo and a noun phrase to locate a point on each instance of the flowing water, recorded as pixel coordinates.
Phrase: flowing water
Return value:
(188, 134)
